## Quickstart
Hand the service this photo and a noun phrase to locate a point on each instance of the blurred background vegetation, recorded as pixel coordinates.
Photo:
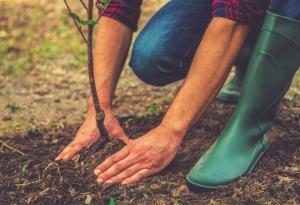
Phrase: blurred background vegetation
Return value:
(43, 81)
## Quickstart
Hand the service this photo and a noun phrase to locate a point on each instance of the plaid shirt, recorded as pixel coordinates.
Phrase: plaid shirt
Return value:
(125, 11)
(245, 11)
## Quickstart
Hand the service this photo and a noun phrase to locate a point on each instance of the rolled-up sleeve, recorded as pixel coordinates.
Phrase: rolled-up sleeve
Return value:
(251, 12)
(124, 11)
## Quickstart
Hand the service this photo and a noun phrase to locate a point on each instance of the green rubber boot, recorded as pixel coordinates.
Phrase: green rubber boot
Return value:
(273, 64)
(230, 93)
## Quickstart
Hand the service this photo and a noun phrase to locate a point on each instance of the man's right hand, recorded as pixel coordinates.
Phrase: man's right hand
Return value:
(88, 133)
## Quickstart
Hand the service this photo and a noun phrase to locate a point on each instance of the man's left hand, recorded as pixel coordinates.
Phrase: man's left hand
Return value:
(140, 158)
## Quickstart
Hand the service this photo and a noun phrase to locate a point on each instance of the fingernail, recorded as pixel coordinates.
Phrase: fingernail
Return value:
(97, 172)
(100, 181)
(57, 158)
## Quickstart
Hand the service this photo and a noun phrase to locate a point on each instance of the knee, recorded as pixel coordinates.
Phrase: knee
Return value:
(146, 61)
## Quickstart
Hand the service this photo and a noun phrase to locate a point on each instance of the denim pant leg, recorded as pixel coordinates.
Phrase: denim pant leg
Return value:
(287, 8)
(165, 48)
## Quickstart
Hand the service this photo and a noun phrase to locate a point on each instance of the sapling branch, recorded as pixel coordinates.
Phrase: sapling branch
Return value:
(103, 6)
(75, 22)
(83, 4)
(100, 115)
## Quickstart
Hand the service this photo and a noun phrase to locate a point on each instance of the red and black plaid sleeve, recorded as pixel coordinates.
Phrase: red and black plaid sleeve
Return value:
(246, 11)
(125, 11)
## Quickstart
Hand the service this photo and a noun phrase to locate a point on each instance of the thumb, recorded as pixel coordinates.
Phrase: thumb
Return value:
(124, 137)
(120, 134)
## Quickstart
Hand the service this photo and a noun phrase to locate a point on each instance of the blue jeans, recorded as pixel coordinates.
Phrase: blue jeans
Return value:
(288, 8)
(164, 50)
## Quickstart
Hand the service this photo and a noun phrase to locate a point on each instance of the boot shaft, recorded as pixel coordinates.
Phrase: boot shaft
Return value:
(273, 64)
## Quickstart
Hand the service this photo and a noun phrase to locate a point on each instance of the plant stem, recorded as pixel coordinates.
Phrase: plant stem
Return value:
(76, 24)
(100, 115)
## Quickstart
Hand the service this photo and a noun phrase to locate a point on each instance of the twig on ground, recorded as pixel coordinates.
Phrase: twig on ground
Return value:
(29, 183)
(84, 195)
(11, 148)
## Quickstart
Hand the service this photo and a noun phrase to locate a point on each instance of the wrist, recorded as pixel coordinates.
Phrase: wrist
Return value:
(176, 134)
(91, 110)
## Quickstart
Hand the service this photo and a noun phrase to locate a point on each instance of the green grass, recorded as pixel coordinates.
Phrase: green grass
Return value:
(37, 36)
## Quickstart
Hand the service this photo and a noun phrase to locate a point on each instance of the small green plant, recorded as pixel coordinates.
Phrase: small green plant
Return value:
(112, 201)
(24, 168)
(13, 107)
(13, 68)
(153, 109)
(91, 23)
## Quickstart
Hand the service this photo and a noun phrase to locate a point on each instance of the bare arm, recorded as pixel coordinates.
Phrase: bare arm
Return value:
(152, 152)
(112, 44)
(211, 65)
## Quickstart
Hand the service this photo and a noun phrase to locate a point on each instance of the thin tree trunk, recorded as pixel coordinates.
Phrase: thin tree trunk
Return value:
(100, 115)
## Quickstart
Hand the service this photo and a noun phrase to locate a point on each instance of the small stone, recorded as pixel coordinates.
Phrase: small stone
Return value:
(154, 186)
(179, 191)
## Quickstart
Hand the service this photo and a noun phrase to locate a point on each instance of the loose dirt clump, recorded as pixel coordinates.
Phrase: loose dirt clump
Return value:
(36, 179)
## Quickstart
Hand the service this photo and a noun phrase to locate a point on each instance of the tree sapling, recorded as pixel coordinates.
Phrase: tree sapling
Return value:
(91, 23)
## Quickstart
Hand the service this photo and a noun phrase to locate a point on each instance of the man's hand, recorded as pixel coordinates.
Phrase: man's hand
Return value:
(140, 158)
(111, 47)
(88, 133)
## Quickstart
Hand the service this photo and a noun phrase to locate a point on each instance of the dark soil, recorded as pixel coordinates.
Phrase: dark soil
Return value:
(36, 179)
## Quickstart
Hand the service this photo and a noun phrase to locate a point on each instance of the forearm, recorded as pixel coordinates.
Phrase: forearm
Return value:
(111, 48)
(211, 65)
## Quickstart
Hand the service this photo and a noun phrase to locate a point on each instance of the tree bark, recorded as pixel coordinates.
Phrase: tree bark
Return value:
(100, 115)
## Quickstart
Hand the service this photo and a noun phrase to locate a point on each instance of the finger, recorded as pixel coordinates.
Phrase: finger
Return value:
(72, 152)
(63, 153)
(115, 158)
(138, 176)
(119, 133)
(122, 135)
(116, 169)
(69, 152)
(125, 174)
